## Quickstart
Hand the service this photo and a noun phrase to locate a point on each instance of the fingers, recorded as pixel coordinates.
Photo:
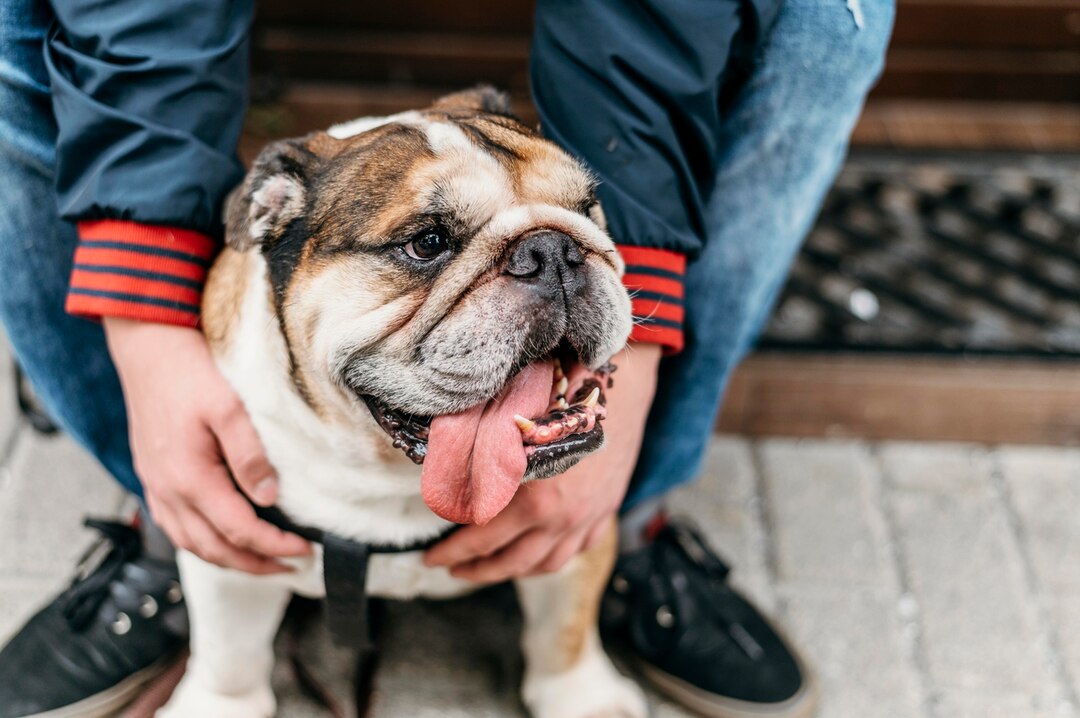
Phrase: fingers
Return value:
(231, 516)
(560, 555)
(536, 553)
(192, 533)
(165, 518)
(244, 453)
(518, 559)
(213, 520)
(597, 534)
(474, 542)
(209, 545)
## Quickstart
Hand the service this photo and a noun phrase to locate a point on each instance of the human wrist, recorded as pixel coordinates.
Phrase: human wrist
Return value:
(132, 341)
(639, 365)
(650, 353)
(631, 396)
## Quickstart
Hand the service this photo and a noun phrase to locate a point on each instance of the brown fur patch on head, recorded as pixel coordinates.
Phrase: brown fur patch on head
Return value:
(542, 173)
(482, 98)
(364, 191)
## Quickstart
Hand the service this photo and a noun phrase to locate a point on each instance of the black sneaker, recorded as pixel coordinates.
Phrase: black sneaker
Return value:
(89, 652)
(696, 639)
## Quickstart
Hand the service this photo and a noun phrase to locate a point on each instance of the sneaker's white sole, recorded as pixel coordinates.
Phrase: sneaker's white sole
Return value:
(107, 703)
(803, 704)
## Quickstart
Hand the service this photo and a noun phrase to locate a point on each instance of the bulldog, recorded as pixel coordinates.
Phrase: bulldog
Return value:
(417, 312)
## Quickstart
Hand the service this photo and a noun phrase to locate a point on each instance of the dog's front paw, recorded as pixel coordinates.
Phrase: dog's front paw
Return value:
(591, 689)
(191, 700)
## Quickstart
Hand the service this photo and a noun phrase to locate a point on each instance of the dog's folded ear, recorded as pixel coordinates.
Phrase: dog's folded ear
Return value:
(271, 196)
(482, 98)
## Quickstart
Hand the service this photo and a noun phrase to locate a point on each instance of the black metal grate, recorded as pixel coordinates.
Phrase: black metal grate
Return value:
(960, 254)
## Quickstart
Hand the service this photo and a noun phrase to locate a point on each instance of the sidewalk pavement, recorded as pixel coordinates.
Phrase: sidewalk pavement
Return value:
(922, 580)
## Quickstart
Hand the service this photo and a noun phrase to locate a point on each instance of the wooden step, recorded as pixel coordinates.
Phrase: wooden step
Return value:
(978, 126)
(981, 74)
(918, 398)
(988, 24)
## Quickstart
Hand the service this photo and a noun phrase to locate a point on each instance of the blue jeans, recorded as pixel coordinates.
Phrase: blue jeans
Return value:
(784, 142)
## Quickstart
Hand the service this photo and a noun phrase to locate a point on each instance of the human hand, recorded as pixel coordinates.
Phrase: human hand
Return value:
(549, 522)
(190, 437)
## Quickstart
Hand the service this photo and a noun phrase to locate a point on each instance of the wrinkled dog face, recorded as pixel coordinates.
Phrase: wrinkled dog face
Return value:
(426, 258)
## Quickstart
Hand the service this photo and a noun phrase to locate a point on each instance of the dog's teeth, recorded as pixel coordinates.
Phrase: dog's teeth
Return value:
(561, 386)
(592, 398)
(559, 370)
(523, 423)
(560, 403)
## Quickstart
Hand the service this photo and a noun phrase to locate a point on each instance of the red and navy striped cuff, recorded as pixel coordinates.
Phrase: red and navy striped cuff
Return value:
(654, 278)
(139, 271)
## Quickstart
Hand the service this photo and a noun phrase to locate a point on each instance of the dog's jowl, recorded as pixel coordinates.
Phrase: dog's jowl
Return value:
(418, 312)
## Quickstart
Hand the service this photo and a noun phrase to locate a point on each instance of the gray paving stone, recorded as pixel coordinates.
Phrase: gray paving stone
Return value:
(821, 512)
(956, 470)
(1044, 487)
(1064, 609)
(853, 641)
(8, 409)
(836, 578)
(51, 486)
(975, 703)
(19, 599)
(1044, 484)
(979, 620)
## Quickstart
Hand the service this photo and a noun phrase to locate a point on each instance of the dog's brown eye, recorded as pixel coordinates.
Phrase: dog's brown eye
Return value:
(426, 245)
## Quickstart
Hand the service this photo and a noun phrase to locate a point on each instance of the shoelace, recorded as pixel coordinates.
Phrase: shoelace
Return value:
(688, 542)
(694, 548)
(89, 590)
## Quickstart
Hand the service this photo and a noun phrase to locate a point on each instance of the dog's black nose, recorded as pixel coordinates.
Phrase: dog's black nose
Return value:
(550, 260)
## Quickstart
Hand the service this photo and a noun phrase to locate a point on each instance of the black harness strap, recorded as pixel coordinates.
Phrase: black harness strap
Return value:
(345, 564)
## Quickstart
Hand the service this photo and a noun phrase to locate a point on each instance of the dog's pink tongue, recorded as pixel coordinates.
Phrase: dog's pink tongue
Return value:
(475, 460)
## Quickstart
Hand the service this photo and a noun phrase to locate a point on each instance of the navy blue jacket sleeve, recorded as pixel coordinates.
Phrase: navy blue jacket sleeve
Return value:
(149, 98)
(634, 88)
